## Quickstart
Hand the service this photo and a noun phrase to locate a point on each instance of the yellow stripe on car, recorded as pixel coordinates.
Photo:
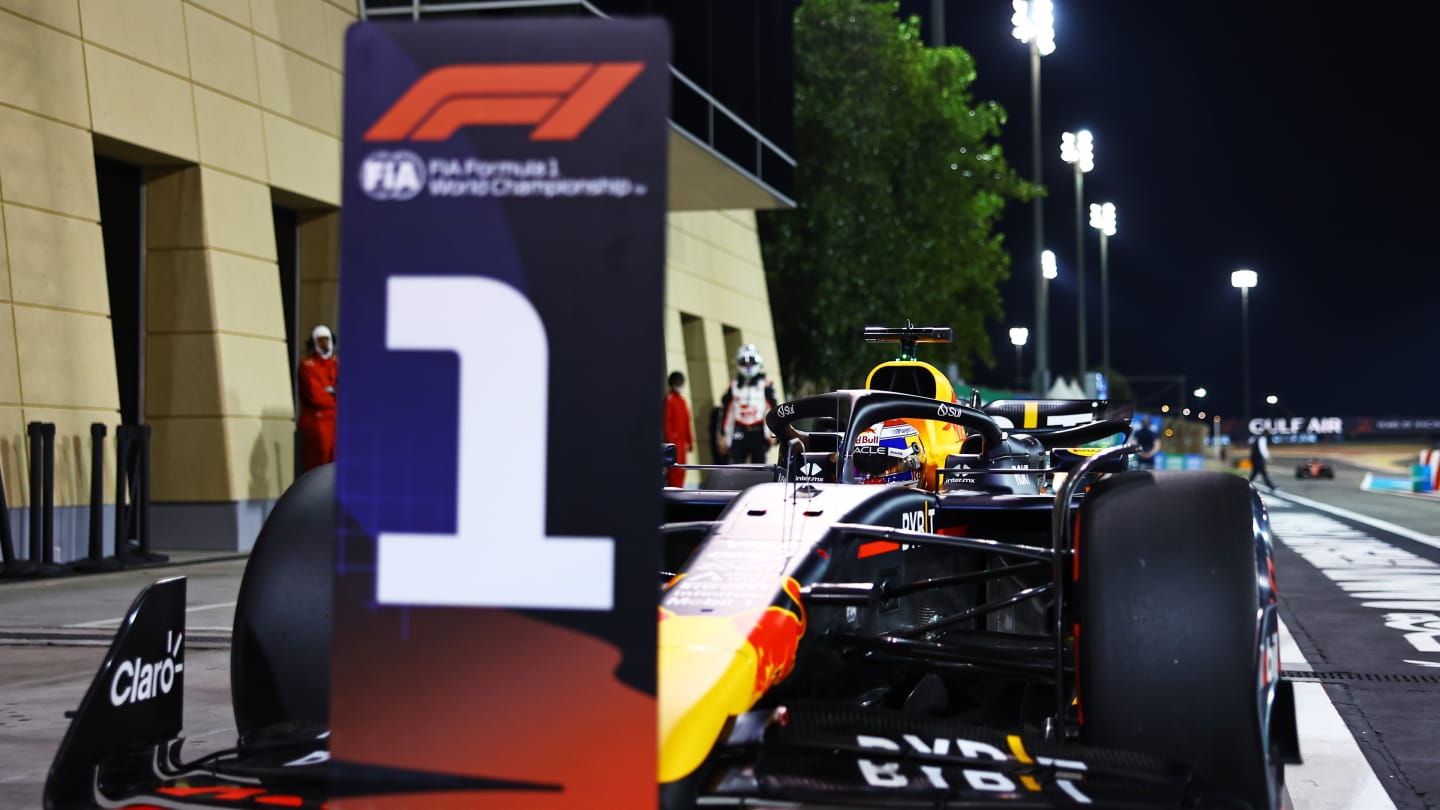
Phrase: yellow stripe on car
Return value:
(1018, 749)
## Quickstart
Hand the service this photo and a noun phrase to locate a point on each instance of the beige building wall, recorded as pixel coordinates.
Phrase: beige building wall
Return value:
(715, 301)
(232, 105)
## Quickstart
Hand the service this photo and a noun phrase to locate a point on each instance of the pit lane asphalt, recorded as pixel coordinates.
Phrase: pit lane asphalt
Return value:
(53, 637)
(1329, 534)
(54, 633)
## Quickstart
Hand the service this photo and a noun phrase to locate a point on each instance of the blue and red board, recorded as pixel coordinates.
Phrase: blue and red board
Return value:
(502, 264)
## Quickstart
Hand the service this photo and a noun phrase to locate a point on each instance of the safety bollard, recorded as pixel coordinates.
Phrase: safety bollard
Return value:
(36, 432)
(122, 509)
(132, 496)
(144, 499)
(96, 559)
(47, 495)
(42, 531)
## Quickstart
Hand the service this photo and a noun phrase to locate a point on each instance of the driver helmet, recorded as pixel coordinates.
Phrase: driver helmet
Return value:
(889, 453)
(749, 362)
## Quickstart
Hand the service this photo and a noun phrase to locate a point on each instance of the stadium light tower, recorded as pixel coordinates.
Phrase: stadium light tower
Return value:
(1102, 219)
(1078, 148)
(1034, 23)
(1245, 279)
(1018, 336)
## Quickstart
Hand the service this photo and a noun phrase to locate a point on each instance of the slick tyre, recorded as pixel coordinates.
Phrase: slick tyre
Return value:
(280, 644)
(1176, 638)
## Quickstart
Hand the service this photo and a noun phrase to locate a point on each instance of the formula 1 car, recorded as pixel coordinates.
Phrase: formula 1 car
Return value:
(973, 632)
(124, 747)
(1314, 468)
(930, 603)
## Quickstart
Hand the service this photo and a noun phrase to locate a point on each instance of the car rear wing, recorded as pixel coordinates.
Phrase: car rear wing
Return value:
(908, 336)
(133, 708)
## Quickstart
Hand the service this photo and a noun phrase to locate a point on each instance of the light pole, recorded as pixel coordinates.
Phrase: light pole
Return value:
(1078, 148)
(1034, 23)
(1049, 269)
(1018, 336)
(1245, 279)
(1102, 218)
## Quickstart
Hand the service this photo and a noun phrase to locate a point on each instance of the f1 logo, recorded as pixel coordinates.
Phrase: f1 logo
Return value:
(561, 99)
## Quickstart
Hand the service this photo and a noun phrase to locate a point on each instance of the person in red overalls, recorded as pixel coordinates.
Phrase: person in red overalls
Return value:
(317, 400)
(743, 434)
(678, 429)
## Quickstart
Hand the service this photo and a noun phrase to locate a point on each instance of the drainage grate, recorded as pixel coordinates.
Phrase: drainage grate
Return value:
(1362, 677)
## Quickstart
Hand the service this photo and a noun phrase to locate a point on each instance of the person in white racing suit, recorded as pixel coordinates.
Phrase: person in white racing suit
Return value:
(743, 434)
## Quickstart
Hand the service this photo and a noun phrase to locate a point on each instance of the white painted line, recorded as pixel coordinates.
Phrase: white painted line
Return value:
(116, 622)
(213, 606)
(1383, 525)
(1335, 775)
(96, 623)
(1291, 659)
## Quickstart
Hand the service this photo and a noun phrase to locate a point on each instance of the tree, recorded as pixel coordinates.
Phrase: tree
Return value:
(899, 184)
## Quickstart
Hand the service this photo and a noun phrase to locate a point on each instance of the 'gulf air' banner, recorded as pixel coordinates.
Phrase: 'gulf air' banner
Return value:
(498, 462)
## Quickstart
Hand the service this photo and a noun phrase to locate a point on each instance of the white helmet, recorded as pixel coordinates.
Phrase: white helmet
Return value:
(748, 361)
(323, 331)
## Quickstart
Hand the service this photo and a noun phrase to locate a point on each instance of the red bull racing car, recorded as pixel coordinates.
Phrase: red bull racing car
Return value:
(929, 603)
(1009, 618)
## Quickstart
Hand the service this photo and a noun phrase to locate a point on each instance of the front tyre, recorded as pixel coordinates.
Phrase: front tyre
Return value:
(1178, 634)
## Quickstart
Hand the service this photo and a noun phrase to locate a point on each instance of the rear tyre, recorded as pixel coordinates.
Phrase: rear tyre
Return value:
(1177, 640)
(280, 645)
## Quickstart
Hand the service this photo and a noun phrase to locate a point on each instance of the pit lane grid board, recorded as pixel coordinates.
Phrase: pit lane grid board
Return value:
(497, 458)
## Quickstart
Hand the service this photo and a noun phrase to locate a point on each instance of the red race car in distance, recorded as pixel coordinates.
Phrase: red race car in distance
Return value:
(1314, 468)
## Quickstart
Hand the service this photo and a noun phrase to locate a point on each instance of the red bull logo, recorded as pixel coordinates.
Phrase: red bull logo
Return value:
(775, 635)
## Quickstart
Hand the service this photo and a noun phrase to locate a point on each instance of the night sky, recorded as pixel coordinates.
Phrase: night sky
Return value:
(1280, 137)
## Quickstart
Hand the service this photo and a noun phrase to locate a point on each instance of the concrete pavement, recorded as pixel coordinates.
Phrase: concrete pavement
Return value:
(54, 634)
